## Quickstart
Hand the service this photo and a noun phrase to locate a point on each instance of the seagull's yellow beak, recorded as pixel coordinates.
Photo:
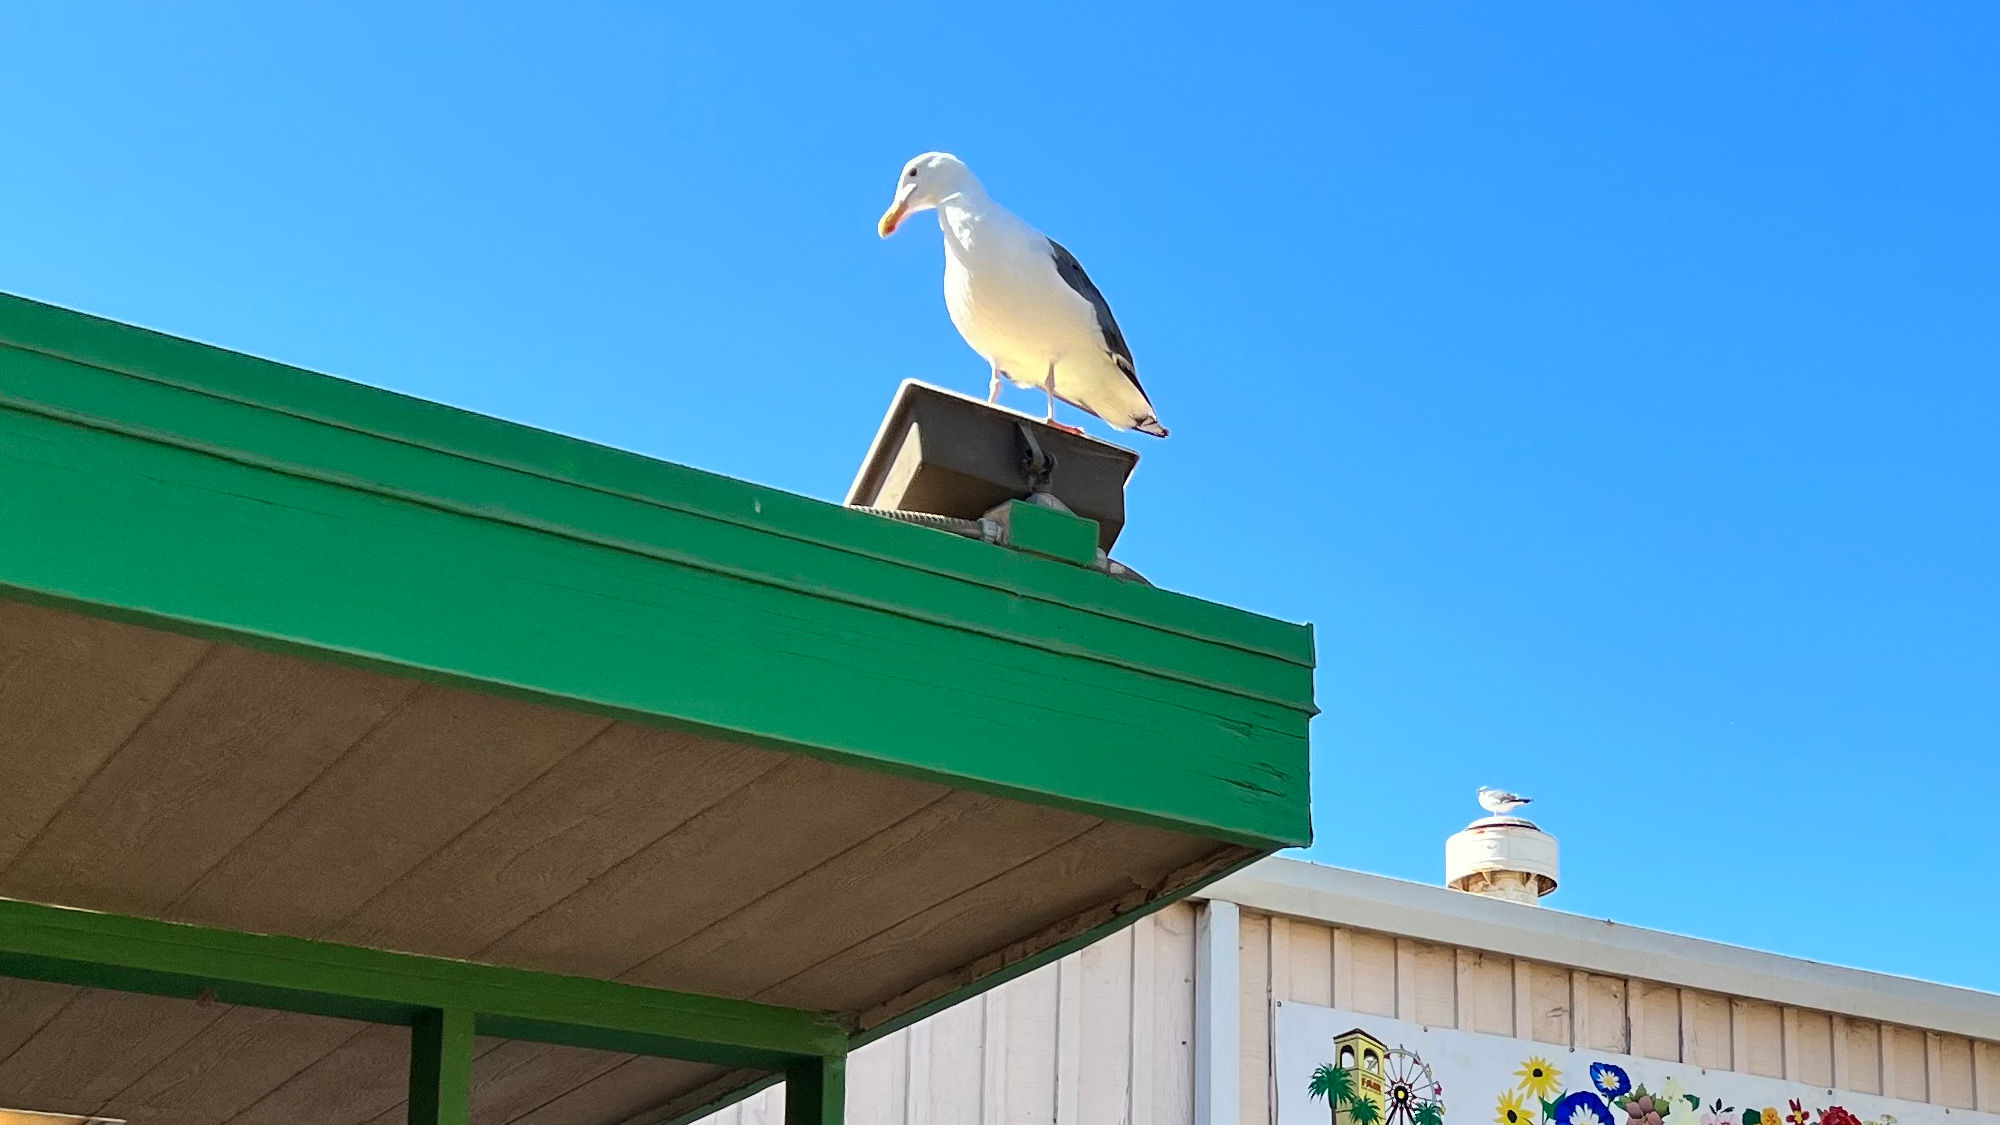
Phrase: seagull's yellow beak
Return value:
(894, 215)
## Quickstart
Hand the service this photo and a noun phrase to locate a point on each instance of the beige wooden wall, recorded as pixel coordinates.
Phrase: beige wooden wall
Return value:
(1107, 1036)
(1101, 1037)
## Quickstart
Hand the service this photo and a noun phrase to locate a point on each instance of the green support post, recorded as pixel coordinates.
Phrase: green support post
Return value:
(816, 1091)
(441, 1068)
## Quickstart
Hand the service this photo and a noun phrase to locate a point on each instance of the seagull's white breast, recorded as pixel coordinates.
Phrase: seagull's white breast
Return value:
(1006, 299)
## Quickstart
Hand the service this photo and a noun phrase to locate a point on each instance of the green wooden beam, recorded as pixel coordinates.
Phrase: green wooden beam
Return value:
(816, 1092)
(94, 950)
(198, 490)
(441, 1068)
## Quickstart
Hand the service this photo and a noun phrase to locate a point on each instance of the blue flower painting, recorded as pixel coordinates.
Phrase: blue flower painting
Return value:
(1611, 1081)
(1582, 1108)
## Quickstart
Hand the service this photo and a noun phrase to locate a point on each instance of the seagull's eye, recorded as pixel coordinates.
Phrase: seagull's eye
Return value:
(912, 173)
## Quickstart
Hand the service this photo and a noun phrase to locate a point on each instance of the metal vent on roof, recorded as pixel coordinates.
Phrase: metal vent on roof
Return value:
(946, 454)
(1505, 857)
(951, 462)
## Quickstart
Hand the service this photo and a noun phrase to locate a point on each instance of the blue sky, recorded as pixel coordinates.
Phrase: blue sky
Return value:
(1614, 386)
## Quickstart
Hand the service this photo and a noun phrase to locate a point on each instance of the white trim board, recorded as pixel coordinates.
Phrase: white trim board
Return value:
(1218, 1013)
(1336, 896)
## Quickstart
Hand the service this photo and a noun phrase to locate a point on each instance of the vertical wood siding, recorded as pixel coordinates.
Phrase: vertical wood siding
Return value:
(1107, 1037)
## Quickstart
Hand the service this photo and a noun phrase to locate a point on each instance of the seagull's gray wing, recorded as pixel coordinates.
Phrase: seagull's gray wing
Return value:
(1071, 271)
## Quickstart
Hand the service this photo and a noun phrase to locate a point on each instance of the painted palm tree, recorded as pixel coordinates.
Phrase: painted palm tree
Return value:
(1361, 1111)
(1335, 1084)
(1429, 1113)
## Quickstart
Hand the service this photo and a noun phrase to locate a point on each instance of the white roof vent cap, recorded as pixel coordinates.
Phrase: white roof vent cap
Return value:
(1503, 855)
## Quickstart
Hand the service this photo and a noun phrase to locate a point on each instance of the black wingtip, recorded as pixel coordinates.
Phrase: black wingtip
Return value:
(1150, 426)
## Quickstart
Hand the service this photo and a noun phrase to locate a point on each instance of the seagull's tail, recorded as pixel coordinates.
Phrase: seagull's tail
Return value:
(1150, 425)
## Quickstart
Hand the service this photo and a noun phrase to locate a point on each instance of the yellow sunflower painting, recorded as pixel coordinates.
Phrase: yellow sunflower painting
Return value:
(1539, 1079)
(1514, 1111)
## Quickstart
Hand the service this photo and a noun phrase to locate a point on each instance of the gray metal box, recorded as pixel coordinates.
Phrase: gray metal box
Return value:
(949, 454)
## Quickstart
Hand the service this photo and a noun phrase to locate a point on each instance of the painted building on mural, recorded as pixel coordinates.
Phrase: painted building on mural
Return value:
(1484, 1012)
(1353, 1076)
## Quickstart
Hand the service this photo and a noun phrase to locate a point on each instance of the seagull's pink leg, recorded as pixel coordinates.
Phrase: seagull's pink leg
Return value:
(993, 388)
(1049, 385)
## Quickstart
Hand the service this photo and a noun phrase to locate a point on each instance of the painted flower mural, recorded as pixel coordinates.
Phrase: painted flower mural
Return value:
(1682, 1108)
(1581, 1108)
(1374, 1084)
(1642, 1108)
(1614, 1099)
(1368, 1080)
(1539, 1080)
(1610, 1079)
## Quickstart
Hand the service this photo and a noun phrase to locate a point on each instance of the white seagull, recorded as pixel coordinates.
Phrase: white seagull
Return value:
(1021, 300)
(1499, 802)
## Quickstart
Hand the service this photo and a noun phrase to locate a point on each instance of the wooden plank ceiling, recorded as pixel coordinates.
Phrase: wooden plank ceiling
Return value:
(159, 775)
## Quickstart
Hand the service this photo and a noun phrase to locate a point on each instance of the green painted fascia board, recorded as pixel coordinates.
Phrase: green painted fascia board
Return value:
(285, 390)
(171, 503)
(162, 535)
(93, 950)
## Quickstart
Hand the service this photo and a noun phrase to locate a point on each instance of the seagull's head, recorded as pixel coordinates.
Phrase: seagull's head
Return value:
(925, 182)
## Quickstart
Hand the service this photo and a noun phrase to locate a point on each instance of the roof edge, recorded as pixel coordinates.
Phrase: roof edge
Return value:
(1334, 895)
(296, 392)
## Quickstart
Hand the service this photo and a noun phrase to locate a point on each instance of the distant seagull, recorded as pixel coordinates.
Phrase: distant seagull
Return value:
(1021, 300)
(1499, 802)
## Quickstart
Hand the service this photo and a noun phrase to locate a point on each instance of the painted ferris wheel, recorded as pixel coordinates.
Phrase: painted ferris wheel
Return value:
(1369, 1083)
(1411, 1091)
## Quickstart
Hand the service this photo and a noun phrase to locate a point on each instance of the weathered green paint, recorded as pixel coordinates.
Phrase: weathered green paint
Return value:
(199, 490)
(94, 950)
(441, 1068)
(1045, 531)
(816, 1092)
